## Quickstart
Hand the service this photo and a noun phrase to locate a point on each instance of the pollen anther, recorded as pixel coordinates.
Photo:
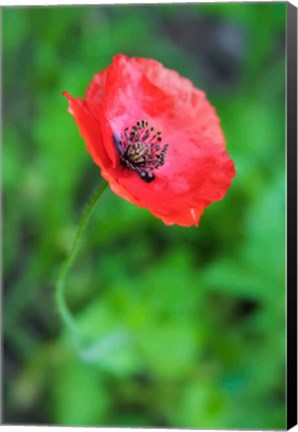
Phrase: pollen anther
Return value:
(140, 149)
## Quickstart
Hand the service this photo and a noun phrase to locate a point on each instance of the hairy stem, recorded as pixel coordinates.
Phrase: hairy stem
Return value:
(63, 309)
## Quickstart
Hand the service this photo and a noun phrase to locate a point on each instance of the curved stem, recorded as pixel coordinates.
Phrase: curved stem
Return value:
(63, 309)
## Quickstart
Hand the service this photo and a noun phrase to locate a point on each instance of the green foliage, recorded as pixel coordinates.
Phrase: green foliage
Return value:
(184, 327)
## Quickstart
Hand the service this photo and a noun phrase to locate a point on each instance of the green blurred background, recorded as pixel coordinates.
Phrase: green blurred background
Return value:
(187, 324)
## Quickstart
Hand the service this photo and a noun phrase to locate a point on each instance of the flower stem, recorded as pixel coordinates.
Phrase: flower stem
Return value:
(63, 309)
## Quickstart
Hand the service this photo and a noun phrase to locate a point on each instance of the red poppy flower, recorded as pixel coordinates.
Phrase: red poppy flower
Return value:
(156, 139)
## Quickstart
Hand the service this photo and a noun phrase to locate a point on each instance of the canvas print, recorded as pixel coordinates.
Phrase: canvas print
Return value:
(144, 215)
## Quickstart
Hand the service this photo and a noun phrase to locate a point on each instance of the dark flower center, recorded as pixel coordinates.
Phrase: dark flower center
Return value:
(140, 149)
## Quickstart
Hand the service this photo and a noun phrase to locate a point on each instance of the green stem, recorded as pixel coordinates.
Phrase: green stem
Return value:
(63, 309)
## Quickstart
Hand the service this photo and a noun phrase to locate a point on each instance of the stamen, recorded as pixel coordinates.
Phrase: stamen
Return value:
(140, 150)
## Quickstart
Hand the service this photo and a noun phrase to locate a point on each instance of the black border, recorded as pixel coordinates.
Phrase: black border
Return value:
(291, 216)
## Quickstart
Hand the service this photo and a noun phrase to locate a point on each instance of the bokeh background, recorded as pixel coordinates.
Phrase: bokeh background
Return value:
(187, 324)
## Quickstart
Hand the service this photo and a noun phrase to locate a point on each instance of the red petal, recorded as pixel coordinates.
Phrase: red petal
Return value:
(190, 181)
(90, 129)
(96, 89)
(161, 93)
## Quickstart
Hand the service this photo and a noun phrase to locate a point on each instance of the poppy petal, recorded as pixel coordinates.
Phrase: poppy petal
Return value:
(187, 187)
